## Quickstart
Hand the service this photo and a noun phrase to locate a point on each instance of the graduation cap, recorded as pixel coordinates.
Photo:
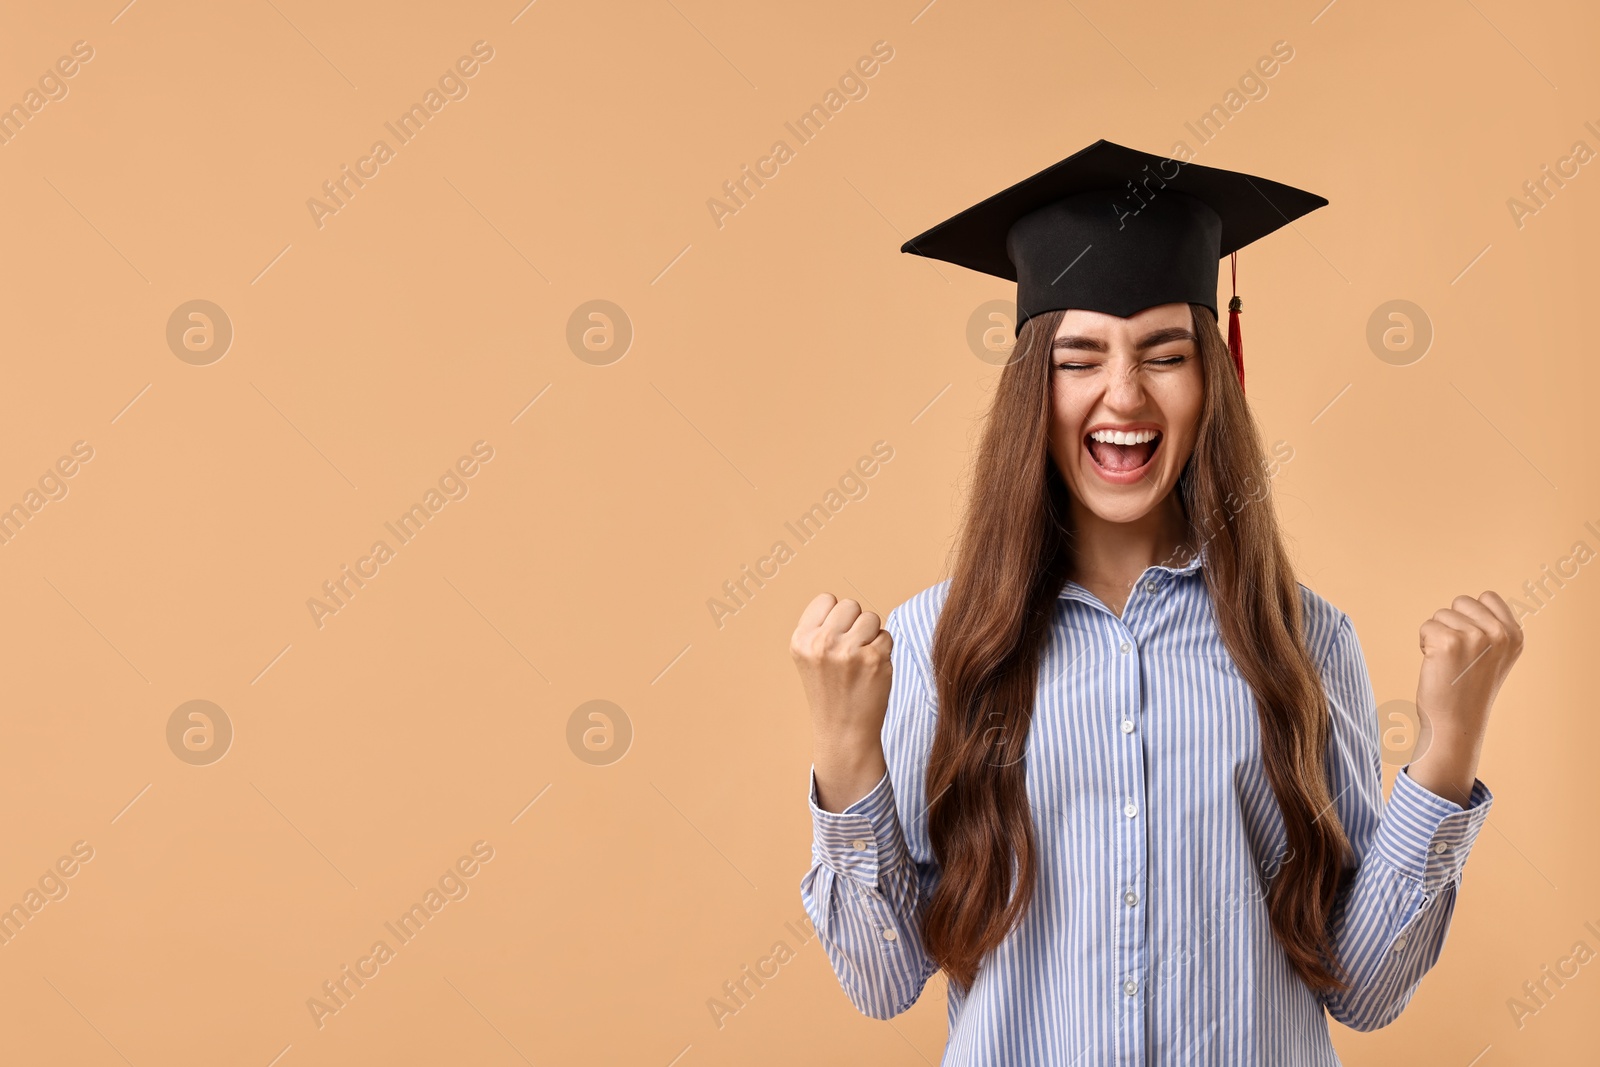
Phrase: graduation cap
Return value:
(1116, 230)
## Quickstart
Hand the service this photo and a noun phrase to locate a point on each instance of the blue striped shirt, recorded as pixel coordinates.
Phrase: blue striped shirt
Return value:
(1148, 939)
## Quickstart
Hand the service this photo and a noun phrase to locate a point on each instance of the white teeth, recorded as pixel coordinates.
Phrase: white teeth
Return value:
(1118, 437)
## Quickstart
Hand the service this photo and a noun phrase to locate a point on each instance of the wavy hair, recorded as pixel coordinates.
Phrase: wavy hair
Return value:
(1012, 556)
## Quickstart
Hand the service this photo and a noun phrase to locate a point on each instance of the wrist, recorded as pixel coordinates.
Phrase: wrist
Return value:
(1451, 746)
(844, 778)
(1447, 769)
(847, 752)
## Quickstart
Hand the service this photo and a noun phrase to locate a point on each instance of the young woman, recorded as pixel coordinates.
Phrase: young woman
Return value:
(1119, 776)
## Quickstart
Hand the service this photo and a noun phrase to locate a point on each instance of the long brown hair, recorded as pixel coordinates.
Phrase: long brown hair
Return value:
(1013, 554)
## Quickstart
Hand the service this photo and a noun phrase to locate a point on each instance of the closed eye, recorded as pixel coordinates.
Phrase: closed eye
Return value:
(1165, 361)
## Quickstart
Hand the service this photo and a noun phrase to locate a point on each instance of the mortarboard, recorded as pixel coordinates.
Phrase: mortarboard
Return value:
(1116, 230)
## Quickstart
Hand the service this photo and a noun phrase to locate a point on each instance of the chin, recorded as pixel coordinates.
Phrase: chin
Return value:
(1120, 510)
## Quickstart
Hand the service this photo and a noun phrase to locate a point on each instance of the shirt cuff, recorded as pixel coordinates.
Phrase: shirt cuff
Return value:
(863, 840)
(1428, 837)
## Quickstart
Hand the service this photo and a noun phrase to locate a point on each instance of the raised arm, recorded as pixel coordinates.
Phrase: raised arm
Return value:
(1393, 912)
(865, 892)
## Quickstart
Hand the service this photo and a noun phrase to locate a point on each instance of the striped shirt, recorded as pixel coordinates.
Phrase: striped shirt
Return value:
(1158, 833)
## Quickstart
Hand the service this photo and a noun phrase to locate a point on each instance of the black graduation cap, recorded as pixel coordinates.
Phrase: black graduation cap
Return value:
(1116, 230)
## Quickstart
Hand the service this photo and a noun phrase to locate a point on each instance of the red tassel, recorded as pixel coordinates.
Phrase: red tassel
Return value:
(1235, 338)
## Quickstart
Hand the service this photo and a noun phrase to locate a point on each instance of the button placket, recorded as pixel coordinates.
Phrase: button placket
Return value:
(1135, 850)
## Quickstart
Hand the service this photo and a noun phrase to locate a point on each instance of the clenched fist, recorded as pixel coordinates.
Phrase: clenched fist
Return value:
(1467, 651)
(842, 654)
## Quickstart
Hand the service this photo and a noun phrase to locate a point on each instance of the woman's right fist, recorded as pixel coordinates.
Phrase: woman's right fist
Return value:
(842, 654)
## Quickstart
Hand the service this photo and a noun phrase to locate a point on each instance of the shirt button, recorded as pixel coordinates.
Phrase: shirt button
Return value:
(1127, 726)
(1130, 986)
(1131, 897)
(1126, 647)
(1440, 846)
(890, 935)
(859, 845)
(1130, 811)
(1399, 943)
(1150, 586)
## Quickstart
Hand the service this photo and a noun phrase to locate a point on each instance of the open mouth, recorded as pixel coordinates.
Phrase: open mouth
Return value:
(1123, 461)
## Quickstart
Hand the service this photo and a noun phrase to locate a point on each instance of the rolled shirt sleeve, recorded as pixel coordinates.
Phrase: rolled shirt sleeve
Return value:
(1393, 910)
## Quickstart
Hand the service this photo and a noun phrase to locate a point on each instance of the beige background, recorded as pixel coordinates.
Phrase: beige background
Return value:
(432, 710)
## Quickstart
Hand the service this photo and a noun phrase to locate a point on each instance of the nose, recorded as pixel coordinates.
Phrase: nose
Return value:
(1124, 389)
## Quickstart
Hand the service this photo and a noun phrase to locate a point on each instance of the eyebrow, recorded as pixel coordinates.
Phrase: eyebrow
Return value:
(1094, 344)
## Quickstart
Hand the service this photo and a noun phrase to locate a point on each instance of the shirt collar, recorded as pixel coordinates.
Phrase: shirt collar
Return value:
(1071, 589)
(1193, 565)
